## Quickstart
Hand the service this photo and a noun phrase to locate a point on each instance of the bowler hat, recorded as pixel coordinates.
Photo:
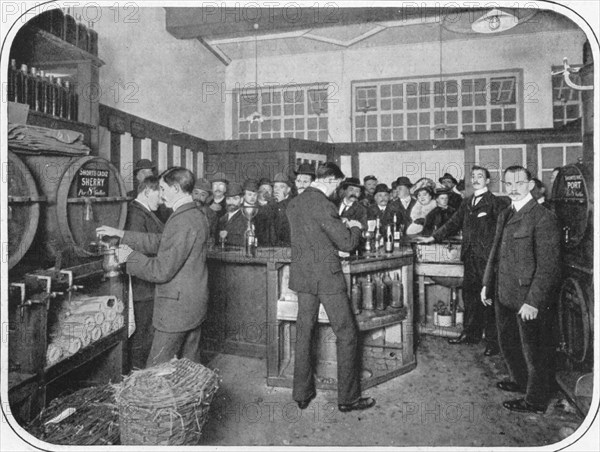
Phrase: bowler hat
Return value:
(402, 180)
(234, 189)
(143, 164)
(264, 181)
(381, 188)
(250, 185)
(305, 168)
(351, 181)
(448, 176)
(280, 177)
(203, 184)
(219, 177)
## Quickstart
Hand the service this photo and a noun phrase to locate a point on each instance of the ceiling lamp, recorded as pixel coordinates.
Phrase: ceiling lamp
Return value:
(256, 116)
(495, 21)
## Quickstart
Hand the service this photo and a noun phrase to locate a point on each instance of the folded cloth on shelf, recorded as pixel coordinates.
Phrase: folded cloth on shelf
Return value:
(35, 140)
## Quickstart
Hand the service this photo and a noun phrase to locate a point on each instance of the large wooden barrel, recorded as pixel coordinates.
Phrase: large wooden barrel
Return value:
(81, 193)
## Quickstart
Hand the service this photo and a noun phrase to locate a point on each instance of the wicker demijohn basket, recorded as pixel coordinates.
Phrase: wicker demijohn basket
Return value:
(166, 404)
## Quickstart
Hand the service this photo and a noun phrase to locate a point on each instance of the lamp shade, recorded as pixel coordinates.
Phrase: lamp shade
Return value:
(495, 21)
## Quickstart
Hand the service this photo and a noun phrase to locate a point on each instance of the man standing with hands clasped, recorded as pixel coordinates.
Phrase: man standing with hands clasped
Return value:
(178, 268)
(525, 262)
(317, 234)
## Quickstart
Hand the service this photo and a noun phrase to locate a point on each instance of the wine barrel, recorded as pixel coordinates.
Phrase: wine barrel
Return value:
(81, 194)
(23, 209)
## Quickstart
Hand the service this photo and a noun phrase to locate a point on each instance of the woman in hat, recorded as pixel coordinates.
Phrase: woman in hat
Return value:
(440, 215)
(424, 205)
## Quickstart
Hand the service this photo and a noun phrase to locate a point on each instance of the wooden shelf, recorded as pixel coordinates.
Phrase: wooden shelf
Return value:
(55, 49)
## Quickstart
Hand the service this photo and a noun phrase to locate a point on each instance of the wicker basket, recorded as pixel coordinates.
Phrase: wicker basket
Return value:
(166, 404)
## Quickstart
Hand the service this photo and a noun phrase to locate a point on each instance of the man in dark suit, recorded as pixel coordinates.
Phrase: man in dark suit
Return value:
(279, 225)
(178, 268)
(233, 222)
(219, 188)
(305, 174)
(383, 210)
(370, 183)
(525, 264)
(405, 202)
(316, 274)
(141, 218)
(142, 169)
(448, 181)
(349, 207)
(201, 195)
(476, 217)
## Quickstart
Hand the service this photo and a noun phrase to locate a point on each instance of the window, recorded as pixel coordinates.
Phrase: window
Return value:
(276, 112)
(428, 108)
(553, 155)
(566, 101)
(496, 159)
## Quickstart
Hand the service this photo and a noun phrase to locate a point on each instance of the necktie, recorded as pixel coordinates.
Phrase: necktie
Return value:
(475, 199)
(511, 213)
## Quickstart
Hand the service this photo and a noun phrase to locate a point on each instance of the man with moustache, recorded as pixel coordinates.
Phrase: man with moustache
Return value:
(318, 235)
(233, 222)
(525, 262)
(383, 210)
(370, 183)
(176, 262)
(201, 195)
(405, 202)
(141, 217)
(305, 174)
(265, 191)
(350, 208)
(450, 183)
(219, 188)
(143, 169)
(278, 220)
(476, 217)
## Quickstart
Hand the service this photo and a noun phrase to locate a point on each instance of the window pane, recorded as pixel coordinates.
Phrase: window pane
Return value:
(386, 135)
(512, 156)
(552, 156)
(489, 157)
(371, 121)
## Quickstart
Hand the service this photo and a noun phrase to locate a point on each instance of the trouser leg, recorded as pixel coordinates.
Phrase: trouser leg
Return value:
(308, 310)
(165, 346)
(510, 344)
(490, 325)
(473, 321)
(191, 345)
(344, 327)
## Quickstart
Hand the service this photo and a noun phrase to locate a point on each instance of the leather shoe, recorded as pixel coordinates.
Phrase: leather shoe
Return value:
(521, 406)
(462, 339)
(361, 404)
(303, 404)
(509, 386)
(491, 350)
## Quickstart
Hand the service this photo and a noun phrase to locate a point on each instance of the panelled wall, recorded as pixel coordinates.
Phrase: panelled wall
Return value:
(124, 139)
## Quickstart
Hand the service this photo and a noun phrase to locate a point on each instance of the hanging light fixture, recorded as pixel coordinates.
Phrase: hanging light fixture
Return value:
(495, 21)
(441, 127)
(256, 116)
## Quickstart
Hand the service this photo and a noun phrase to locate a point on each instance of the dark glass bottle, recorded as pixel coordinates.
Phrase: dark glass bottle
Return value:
(41, 91)
(66, 100)
(74, 100)
(50, 95)
(356, 296)
(397, 232)
(57, 23)
(58, 104)
(367, 294)
(32, 89)
(22, 85)
(380, 294)
(92, 39)
(82, 35)
(70, 28)
(397, 292)
(12, 80)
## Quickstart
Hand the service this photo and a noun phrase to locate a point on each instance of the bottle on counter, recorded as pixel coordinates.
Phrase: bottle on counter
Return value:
(368, 247)
(92, 39)
(396, 300)
(387, 280)
(378, 236)
(22, 85)
(389, 239)
(50, 88)
(380, 293)
(12, 80)
(66, 101)
(356, 296)
(397, 231)
(32, 89)
(41, 91)
(250, 239)
(60, 94)
(74, 104)
(70, 28)
(82, 35)
(367, 294)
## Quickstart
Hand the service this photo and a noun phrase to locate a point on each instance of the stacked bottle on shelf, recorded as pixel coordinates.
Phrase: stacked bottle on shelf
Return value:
(65, 26)
(376, 292)
(42, 92)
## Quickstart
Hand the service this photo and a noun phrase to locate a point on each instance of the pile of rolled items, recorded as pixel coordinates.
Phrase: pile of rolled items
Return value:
(82, 321)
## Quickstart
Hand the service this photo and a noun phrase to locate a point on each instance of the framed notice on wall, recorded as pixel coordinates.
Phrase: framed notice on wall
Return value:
(92, 182)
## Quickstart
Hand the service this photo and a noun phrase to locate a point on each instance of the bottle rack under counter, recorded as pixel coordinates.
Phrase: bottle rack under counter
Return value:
(386, 340)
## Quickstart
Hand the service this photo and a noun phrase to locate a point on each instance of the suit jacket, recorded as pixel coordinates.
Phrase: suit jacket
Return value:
(386, 216)
(223, 205)
(525, 257)
(140, 219)
(212, 218)
(356, 212)
(262, 225)
(163, 213)
(478, 224)
(404, 213)
(178, 269)
(454, 200)
(436, 219)
(235, 227)
(279, 224)
(317, 234)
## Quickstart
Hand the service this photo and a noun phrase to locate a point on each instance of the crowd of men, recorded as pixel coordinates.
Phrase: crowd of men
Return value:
(510, 251)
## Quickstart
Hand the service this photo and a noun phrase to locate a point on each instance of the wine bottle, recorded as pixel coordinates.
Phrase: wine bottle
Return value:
(66, 101)
(50, 95)
(74, 104)
(22, 85)
(82, 35)
(367, 294)
(379, 294)
(250, 238)
(32, 89)
(92, 39)
(12, 81)
(41, 91)
(59, 94)
(389, 239)
(356, 296)
(70, 28)
(396, 229)
(397, 292)
(378, 236)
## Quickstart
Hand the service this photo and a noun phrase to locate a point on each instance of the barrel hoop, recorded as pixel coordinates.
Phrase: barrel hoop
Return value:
(26, 199)
(99, 200)
(34, 210)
